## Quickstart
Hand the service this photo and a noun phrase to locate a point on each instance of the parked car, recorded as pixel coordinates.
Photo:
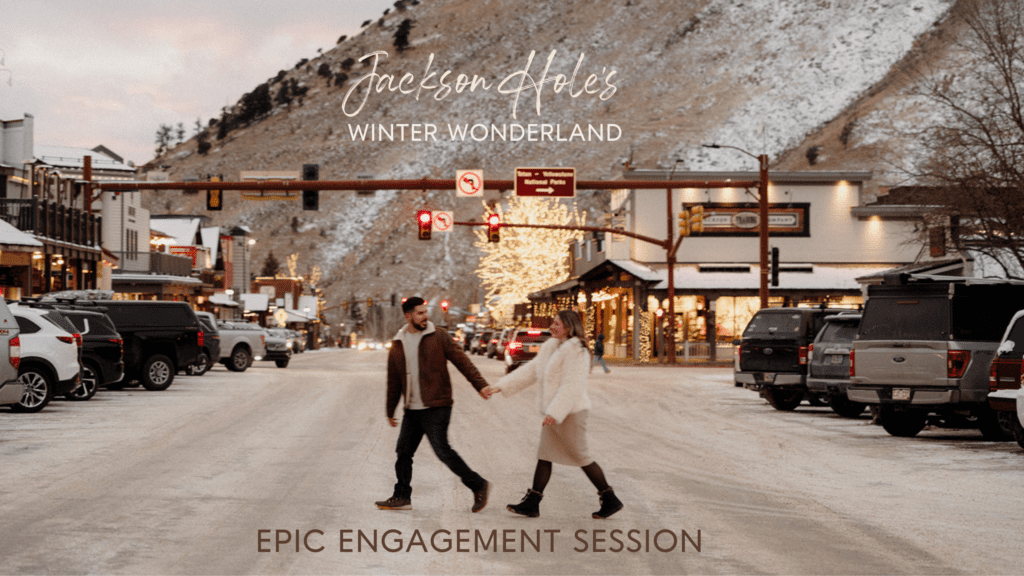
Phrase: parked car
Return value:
(209, 352)
(924, 350)
(12, 390)
(480, 341)
(49, 364)
(279, 346)
(773, 354)
(1004, 377)
(240, 344)
(523, 346)
(102, 351)
(828, 363)
(159, 337)
(496, 347)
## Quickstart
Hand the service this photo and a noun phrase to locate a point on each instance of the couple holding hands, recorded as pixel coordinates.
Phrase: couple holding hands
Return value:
(418, 372)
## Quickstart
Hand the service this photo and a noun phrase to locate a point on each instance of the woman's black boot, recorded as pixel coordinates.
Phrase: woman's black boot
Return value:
(610, 504)
(530, 506)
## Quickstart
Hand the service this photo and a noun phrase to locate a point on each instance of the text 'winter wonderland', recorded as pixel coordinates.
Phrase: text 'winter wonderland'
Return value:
(417, 132)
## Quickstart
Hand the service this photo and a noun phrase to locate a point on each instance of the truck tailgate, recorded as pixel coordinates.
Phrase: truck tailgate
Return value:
(906, 363)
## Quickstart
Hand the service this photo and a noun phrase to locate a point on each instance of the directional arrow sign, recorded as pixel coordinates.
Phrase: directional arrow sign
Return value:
(546, 182)
(443, 221)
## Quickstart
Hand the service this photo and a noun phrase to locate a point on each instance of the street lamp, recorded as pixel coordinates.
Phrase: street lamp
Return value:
(762, 200)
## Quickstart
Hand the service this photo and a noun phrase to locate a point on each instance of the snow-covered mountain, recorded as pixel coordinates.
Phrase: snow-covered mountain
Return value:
(776, 77)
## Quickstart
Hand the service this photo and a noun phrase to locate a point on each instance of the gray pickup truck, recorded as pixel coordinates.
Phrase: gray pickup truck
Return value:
(240, 344)
(923, 351)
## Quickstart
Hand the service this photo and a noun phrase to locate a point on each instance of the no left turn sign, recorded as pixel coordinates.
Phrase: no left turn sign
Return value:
(443, 221)
(469, 183)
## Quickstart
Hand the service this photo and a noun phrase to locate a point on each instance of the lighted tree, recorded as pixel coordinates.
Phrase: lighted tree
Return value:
(526, 259)
(293, 265)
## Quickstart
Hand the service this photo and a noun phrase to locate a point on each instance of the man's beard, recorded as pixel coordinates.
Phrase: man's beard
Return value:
(420, 327)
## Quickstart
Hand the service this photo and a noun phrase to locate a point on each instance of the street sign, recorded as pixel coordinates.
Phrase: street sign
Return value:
(443, 221)
(281, 315)
(546, 182)
(469, 183)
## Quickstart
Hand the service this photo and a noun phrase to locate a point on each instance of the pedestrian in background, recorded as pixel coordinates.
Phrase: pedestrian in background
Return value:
(418, 372)
(560, 372)
(599, 353)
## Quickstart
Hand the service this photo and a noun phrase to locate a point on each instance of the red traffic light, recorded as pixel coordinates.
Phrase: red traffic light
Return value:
(444, 305)
(424, 219)
(493, 228)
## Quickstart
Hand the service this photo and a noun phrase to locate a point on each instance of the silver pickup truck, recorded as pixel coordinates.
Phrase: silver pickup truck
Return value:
(923, 351)
(240, 344)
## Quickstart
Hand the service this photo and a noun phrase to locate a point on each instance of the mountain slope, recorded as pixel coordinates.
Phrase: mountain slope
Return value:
(769, 76)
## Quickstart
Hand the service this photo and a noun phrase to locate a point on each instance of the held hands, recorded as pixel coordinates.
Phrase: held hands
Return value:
(489, 391)
(548, 421)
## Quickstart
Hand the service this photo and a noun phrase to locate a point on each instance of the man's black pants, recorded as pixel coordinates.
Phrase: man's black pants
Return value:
(432, 422)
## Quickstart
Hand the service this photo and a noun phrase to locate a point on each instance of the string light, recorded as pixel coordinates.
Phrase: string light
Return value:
(527, 260)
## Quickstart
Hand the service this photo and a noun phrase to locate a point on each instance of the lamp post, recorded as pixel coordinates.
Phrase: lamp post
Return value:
(762, 201)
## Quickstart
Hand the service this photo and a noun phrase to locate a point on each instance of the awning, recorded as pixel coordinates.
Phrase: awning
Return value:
(221, 299)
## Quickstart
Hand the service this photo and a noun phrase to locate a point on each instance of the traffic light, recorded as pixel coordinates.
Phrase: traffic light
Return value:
(697, 219)
(684, 223)
(369, 302)
(310, 198)
(214, 198)
(493, 228)
(344, 306)
(775, 266)
(444, 305)
(425, 220)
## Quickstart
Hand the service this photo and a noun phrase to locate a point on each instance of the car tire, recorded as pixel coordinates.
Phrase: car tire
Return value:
(157, 373)
(1018, 432)
(38, 390)
(994, 426)
(239, 360)
(282, 363)
(845, 407)
(202, 365)
(902, 423)
(783, 399)
(88, 386)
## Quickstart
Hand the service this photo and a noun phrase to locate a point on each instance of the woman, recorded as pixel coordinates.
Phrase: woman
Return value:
(560, 372)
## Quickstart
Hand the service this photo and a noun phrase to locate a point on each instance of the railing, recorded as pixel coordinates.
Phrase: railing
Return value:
(51, 220)
(702, 351)
(161, 263)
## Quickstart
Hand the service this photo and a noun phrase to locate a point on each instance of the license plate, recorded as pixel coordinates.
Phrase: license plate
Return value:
(901, 393)
(768, 378)
(532, 348)
(837, 358)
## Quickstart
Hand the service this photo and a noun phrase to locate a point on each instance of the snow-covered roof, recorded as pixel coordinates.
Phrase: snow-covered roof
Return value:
(221, 299)
(182, 230)
(296, 316)
(637, 269)
(124, 278)
(70, 157)
(211, 240)
(11, 236)
(689, 277)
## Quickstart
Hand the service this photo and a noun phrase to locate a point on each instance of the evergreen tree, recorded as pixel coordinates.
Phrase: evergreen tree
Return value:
(270, 266)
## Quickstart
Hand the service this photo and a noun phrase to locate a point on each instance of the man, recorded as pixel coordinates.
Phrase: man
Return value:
(418, 372)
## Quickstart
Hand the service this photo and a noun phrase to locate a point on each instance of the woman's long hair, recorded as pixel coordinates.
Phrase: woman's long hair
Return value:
(573, 326)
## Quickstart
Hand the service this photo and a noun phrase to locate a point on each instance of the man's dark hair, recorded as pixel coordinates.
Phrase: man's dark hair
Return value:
(410, 304)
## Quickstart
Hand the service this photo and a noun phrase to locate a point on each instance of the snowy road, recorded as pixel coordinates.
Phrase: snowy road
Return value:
(200, 478)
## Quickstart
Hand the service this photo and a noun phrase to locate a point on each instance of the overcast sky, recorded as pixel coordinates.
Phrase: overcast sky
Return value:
(111, 71)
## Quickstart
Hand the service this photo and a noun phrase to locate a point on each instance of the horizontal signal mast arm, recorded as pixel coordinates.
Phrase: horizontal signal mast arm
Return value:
(424, 184)
(560, 227)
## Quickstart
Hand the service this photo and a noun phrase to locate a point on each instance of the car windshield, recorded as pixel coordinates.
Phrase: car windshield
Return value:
(839, 332)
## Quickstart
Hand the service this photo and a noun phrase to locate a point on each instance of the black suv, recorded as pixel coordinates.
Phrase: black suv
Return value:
(772, 355)
(102, 353)
(159, 337)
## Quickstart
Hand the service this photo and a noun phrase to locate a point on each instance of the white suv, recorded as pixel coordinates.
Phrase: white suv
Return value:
(50, 350)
